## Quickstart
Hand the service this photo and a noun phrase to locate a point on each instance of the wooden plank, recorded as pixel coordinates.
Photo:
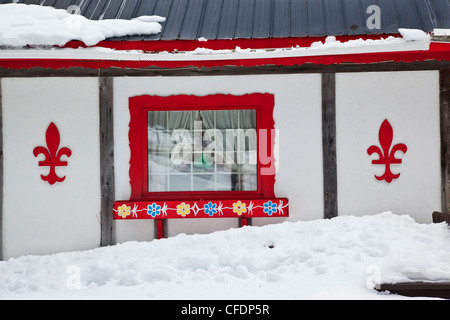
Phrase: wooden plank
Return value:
(204, 209)
(160, 229)
(439, 217)
(226, 70)
(1, 173)
(418, 289)
(445, 137)
(243, 222)
(106, 160)
(329, 145)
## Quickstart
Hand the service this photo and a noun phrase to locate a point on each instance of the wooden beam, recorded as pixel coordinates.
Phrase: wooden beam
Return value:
(226, 70)
(444, 84)
(418, 289)
(329, 145)
(106, 160)
(160, 231)
(1, 173)
(245, 222)
(439, 217)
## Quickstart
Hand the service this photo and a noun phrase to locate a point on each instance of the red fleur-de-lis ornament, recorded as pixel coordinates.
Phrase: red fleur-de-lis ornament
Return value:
(386, 154)
(52, 155)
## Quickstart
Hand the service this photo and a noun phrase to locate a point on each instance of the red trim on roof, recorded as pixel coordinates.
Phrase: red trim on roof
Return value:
(438, 51)
(223, 44)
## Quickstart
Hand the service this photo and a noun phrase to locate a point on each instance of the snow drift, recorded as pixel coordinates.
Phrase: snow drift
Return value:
(325, 259)
(33, 25)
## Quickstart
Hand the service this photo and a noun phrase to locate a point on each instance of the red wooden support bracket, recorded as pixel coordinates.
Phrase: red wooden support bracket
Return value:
(244, 222)
(159, 229)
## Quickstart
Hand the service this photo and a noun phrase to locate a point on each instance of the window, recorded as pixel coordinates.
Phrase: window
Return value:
(208, 150)
(201, 147)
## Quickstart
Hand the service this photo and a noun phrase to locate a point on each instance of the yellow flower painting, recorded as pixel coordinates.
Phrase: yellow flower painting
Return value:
(183, 209)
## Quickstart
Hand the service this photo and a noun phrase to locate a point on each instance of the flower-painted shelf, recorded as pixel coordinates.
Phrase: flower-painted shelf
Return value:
(161, 210)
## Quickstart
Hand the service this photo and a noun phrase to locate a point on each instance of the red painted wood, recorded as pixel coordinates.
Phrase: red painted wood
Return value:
(52, 155)
(437, 52)
(139, 106)
(159, 229)
(238, 208)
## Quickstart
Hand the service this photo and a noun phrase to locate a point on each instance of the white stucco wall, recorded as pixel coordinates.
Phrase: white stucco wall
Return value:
(39, 218)
(410, 102)
(297, 115)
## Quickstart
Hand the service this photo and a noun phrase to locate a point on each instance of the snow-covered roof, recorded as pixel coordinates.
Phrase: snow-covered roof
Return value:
(24, 25)
(46, 25)
(249, 19)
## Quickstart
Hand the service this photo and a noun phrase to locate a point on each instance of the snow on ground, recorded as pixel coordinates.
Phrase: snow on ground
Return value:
(325, 259)
(34, 25)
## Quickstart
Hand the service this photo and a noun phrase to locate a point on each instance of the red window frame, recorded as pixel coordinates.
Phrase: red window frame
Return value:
(263, 103)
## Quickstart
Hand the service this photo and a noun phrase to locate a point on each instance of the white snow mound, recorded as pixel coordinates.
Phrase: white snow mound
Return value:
(33, 25)
(414, 34)
(325, 259)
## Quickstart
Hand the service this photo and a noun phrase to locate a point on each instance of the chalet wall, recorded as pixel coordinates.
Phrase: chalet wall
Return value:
(410, 102)
(297, 115)
(39, 218)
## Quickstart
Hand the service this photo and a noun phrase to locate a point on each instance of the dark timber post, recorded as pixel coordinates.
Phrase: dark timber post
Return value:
(1, 173)
(445, 136)
(329, 145)
(106, 159)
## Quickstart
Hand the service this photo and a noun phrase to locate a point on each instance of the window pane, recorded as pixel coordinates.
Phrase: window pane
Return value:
(227, 119)
(208, 119)
(157, 120)
(180, 120)
(157, 183)
(204, 182)
(247, 119)
(159, 141)
(225, 182)
(158, 162)
(175, 167)
(203, 162)
(180, 182)
(208, 150)
(249, 181)
(248, 168)
(227, 167)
